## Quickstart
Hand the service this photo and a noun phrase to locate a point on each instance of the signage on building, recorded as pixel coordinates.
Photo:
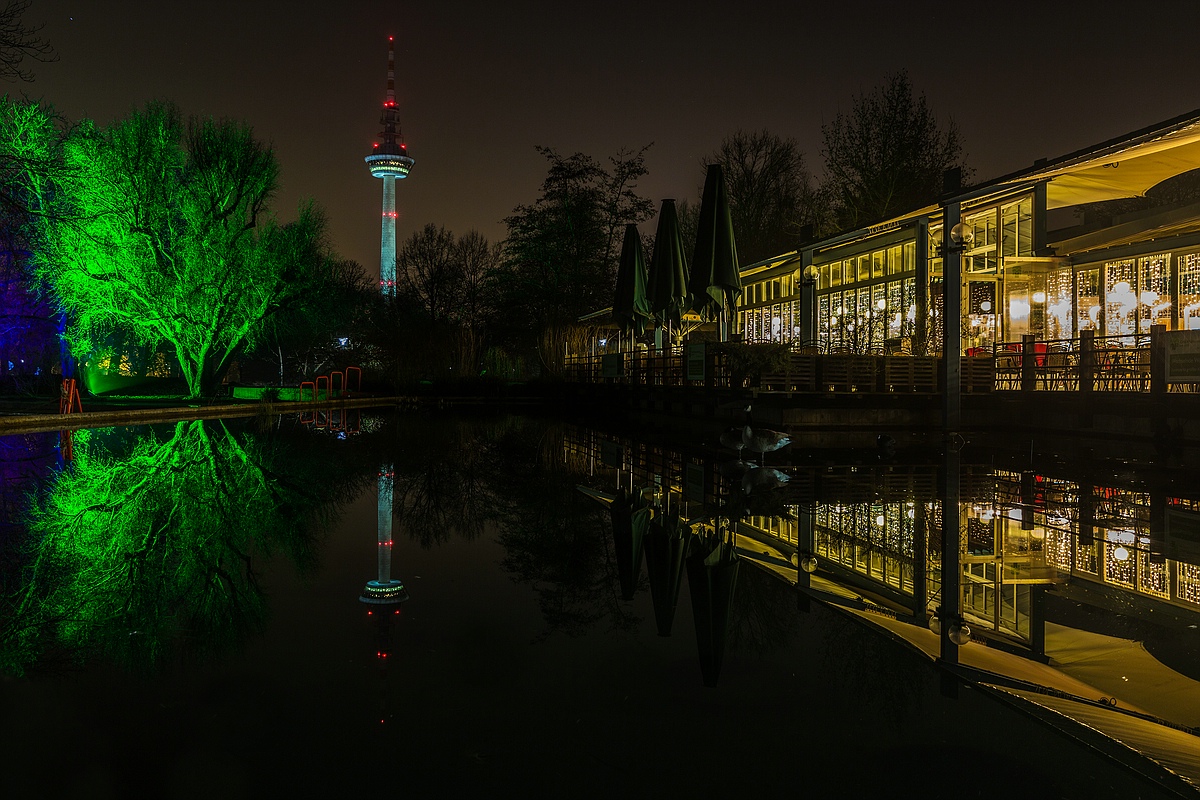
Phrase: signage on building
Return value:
(695, 361)
(612, 365)
(612, 454)
(886, 226)
(1182, 350)
(1183, 535)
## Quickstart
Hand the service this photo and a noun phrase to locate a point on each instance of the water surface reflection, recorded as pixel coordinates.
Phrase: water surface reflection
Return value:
(181, 612)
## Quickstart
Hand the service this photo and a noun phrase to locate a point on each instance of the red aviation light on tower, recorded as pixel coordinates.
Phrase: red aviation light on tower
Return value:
(389, 157)
(391, 78)
(390, 161)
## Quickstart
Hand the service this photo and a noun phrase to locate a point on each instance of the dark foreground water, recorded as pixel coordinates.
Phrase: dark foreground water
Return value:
(182, 618)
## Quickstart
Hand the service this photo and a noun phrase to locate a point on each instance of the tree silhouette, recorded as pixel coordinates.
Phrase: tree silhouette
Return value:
(771, 197)
(561, 252)
(20, 41)
(887, 155)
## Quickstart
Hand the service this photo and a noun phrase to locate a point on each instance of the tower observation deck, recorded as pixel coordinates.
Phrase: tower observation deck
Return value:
(390, 161)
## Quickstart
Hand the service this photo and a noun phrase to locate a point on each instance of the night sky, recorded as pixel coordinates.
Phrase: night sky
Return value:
(479, 84)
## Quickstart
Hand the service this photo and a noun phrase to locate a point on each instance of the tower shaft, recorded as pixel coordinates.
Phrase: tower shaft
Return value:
(387, 239)
(390, 161)
(384, 528)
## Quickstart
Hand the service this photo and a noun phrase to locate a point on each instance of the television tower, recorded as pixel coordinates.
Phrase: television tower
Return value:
(389, 160)
(384, 595)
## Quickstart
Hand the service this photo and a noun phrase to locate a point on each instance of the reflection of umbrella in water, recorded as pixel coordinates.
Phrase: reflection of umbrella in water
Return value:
(666, 547)
(631, 306)
(630, 519)
(712, 568)
(715, 282)
(667, 281)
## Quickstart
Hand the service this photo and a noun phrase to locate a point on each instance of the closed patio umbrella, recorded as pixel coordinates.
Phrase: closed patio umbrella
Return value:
(631, 306)
(712, 569)
(666, 546)
(630, 520)
(667, 281)
(715, 282)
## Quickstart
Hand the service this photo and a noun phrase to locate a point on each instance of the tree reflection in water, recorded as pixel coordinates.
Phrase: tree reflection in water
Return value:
(445, 473)
(152, 553)
(555, 539)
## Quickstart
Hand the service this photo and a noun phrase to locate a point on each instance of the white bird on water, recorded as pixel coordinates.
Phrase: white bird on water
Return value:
(762, 440)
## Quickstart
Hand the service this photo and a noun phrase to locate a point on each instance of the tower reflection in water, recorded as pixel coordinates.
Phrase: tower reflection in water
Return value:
(384, 594)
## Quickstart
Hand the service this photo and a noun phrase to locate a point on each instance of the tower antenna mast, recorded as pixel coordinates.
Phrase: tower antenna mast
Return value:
(390, 161)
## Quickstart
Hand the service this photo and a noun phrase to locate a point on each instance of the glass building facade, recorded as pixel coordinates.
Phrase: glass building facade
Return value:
(880, 291)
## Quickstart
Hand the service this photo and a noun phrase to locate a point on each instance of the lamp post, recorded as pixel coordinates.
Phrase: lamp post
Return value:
(808, 311)
(958, 240)
(958, 632)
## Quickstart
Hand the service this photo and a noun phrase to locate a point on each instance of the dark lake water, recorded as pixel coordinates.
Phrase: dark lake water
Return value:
(182, 618)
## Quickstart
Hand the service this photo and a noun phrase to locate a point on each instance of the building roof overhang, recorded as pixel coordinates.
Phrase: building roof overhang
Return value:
(1123, 167)
(1166, 223)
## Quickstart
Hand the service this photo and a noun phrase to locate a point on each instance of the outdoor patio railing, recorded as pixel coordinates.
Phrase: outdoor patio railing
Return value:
(1090, 363)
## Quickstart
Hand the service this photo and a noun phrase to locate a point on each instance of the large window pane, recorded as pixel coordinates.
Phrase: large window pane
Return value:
(1058, 305)
(1087, 300)
(1120, 297)
(1189, 291)
(1154, 292)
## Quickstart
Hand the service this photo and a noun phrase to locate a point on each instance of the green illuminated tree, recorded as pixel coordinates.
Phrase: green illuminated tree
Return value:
(160, 229)
(142, 554)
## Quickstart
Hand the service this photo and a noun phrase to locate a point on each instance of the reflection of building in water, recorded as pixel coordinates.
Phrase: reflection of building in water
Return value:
(867, 540)
(876, 531)
(384, 594)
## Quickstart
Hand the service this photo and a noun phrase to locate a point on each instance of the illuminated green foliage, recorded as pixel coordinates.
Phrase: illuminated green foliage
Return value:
(143, 555)
(159, 228)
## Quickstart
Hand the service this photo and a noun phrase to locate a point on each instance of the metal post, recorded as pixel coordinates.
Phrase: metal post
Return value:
(951, 322)
(1028, 365)
(1158, 360)
(808, 302)
(1087, 361)
(808, 312)
(951, 591)
(920, 561)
